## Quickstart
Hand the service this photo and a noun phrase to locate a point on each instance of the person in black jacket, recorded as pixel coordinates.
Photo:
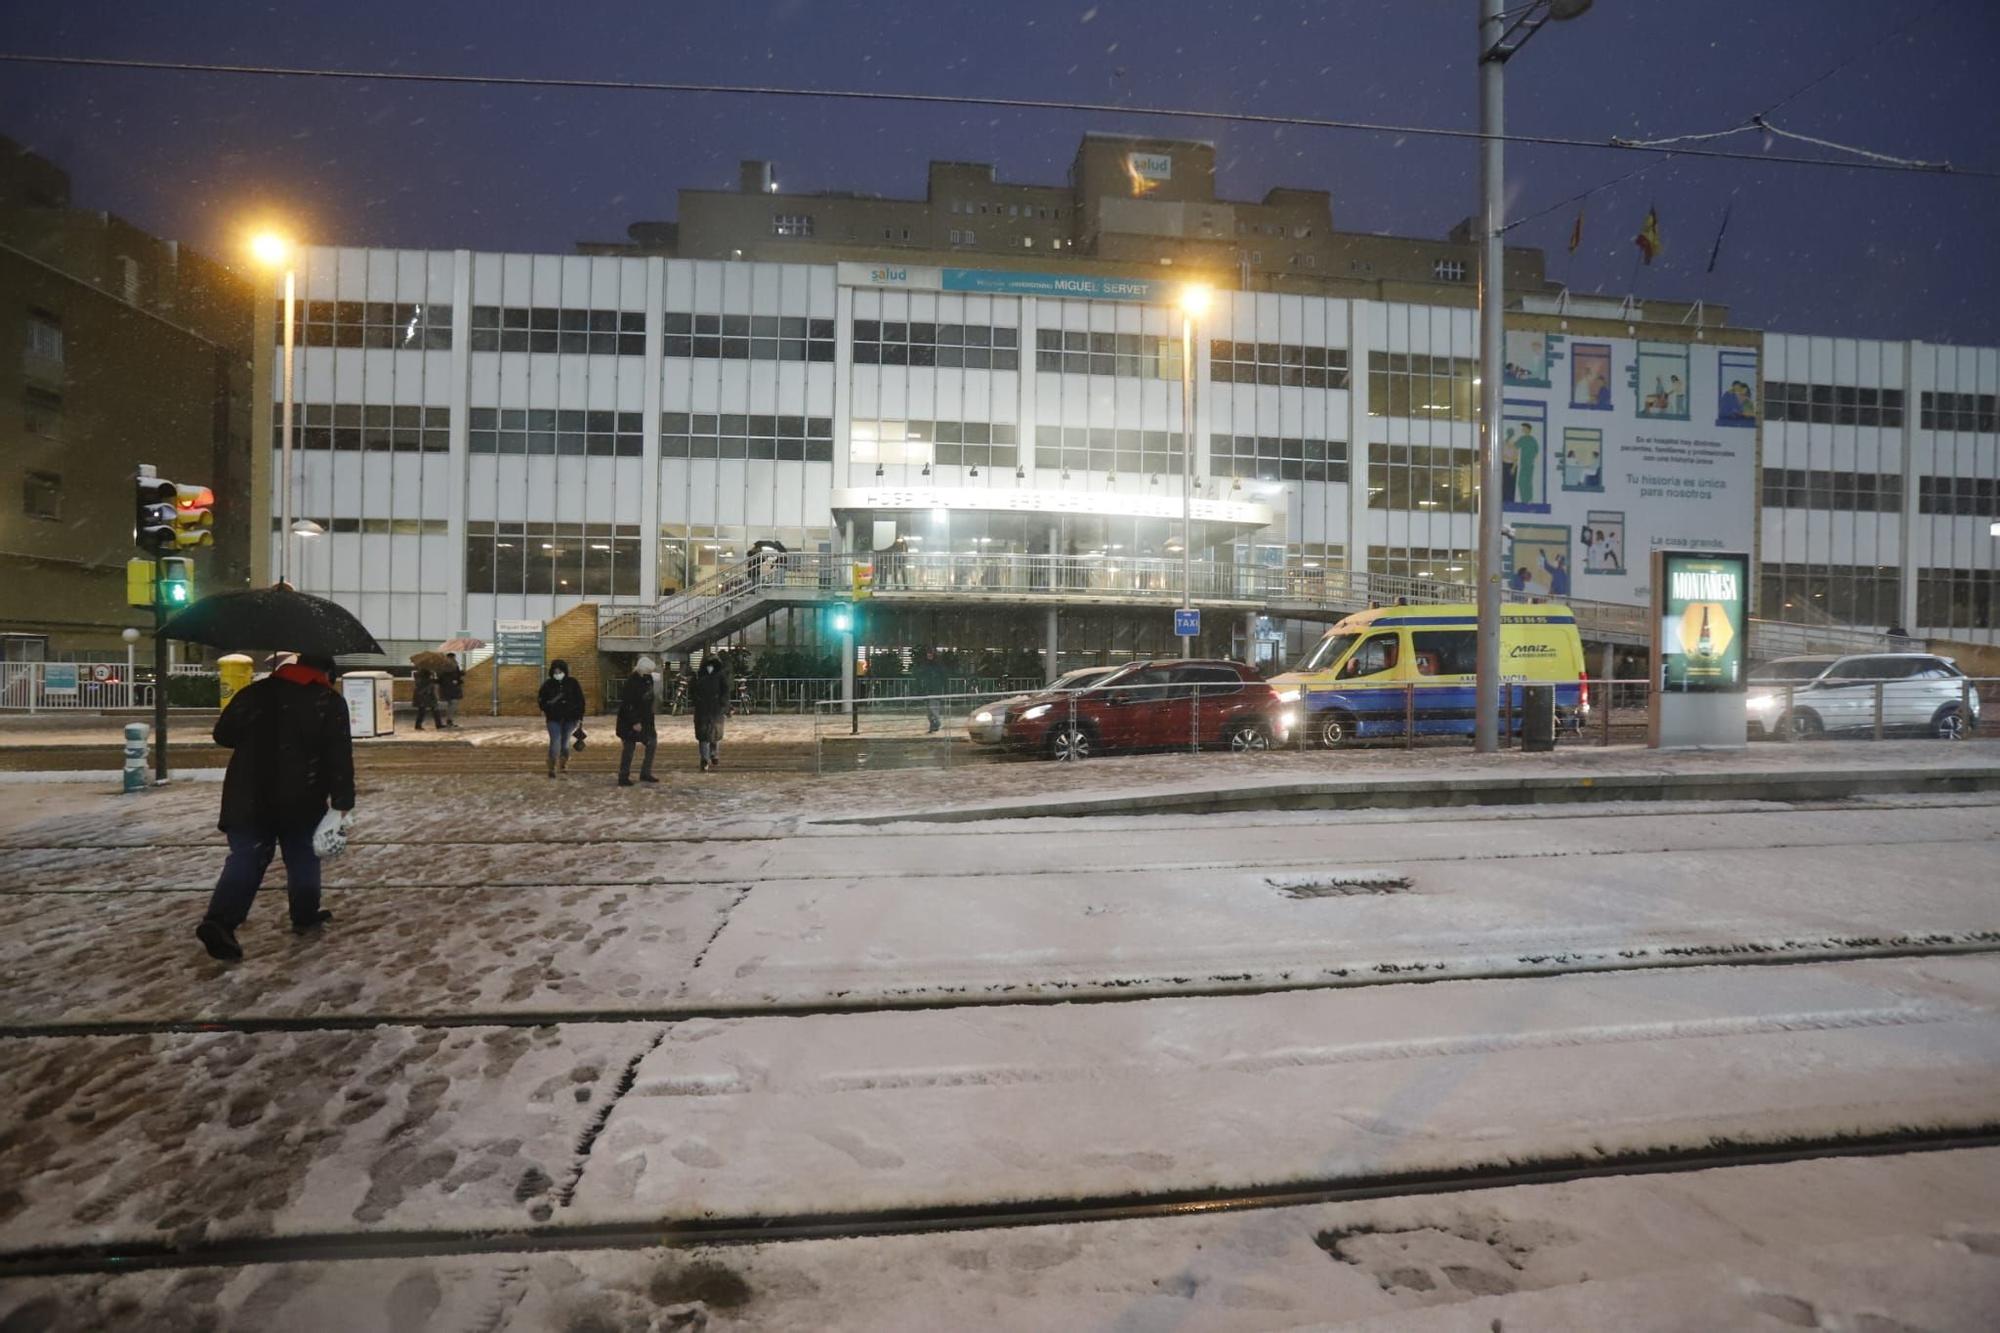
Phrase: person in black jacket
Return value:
(424, 694)
(561, 702)
(451, 688)
(636, 727)
(711, 706)
(292, 755)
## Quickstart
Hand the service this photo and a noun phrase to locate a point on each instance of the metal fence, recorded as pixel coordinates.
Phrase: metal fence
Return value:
(92, 687)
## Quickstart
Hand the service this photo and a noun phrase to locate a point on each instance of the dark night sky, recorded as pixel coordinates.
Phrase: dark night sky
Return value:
(1808, 250)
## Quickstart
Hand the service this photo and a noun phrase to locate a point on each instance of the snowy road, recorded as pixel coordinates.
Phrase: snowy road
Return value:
(604, 1018)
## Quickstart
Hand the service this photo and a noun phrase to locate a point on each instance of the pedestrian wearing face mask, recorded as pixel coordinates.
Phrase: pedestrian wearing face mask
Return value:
(561, 702)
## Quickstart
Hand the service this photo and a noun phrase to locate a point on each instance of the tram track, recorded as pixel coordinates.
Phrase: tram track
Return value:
(1108, 991)
(113, 1257)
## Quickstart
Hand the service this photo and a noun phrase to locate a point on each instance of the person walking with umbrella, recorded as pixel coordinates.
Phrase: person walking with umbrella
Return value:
(561, 702)
(451, 689)
(424, 694)
(711, 706)
(636, 727)
(291, 757)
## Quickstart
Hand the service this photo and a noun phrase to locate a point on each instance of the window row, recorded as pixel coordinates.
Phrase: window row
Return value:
(1957, 411)
(376, 427)
(747, 337)
(512, 430)
(954, 443)
(1102, 449)
(1277, 363)
(1845, 594)
(1867, 492)
(1978, 496)
(1439, 388)
(924, 343)
(1413, 476)
(375, 527)
(1272, 458)
(1832, 404)
(1958, 598)
(383, 324)
(558, 329)
(565, 559)
(1413, 562)
(1129, 355)
(736, 435)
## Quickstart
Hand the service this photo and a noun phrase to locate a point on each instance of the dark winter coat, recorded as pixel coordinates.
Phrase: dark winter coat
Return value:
(561, 700)
(292, 756)
(451, 682)
(423, 689)
(711, 702)
(636, 709)
(928, 677)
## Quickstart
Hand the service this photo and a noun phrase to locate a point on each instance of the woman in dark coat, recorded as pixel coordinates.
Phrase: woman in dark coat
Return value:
(561, 702)
(424, 694)
(711, 706)
(636, 706)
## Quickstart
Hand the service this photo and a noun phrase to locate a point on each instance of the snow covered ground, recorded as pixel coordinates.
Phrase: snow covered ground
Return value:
(563, 1005)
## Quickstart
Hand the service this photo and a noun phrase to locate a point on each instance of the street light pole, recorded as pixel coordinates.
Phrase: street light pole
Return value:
(1194, 300)
(1486, 688)
(285, 438)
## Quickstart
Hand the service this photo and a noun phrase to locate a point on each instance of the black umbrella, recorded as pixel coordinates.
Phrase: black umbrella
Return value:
(274, 617)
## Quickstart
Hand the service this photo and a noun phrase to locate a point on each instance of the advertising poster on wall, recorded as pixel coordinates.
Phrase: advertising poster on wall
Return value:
(1537, 560)
(1639, 445)
(1704, 609)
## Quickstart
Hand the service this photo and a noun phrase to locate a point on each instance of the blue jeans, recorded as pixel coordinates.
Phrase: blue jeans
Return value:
(559, 734)
(249, 857)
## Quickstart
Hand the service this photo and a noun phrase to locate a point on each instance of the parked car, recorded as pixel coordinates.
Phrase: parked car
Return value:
(1153, 706)
(1922, 693)
(988, 725)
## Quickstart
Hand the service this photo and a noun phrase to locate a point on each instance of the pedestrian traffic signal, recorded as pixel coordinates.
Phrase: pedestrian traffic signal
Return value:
(153, 509)
(843, 619)
(193, 517)
(176, 582)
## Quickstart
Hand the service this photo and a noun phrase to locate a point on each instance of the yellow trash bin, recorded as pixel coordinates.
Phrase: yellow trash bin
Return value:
(236, 671)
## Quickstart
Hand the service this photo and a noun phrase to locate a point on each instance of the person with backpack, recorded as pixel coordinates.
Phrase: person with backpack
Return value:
(291, 758)
(637, 703)
(561, 702)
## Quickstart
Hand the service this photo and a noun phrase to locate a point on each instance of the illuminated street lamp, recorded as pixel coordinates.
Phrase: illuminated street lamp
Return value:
(273, 252)
(1194, 304)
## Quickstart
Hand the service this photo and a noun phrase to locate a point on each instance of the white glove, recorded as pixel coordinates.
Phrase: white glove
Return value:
(330, 838)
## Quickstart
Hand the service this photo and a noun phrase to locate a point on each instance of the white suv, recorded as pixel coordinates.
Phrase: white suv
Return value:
(1920, 693)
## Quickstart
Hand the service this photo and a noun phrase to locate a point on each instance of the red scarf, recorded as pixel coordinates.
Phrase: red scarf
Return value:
(302, 675)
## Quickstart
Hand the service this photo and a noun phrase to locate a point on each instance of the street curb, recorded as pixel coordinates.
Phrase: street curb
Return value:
(1417, 793)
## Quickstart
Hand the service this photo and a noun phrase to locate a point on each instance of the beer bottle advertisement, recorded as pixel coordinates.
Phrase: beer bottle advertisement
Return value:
(1705, 621)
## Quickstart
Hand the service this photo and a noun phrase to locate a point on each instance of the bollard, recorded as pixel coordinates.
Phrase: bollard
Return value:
(135, 756)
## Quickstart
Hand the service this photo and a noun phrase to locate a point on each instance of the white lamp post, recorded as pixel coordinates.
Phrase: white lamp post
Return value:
(274, 251)
(1194, 304)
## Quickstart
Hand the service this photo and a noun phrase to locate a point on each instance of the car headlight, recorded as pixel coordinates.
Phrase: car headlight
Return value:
(1762, 703)
(1037, 711)
(1287, 720)
(982, 717)
(1289, 696)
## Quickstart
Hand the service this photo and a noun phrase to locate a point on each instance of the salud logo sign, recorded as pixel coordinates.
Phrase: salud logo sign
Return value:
(1151, 168)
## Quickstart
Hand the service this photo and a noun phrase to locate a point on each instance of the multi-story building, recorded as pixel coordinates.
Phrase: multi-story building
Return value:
(1130, 204)
(116, 348)
(492, 437)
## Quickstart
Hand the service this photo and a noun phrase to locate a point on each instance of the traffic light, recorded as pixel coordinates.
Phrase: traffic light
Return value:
(192, 517)
(153, 508)
(176, 582)
(843, 619)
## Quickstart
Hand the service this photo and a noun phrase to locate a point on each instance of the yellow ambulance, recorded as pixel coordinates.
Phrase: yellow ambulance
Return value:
(1375, 671)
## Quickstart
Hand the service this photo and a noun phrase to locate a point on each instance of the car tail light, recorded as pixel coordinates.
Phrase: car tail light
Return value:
(1583, 685)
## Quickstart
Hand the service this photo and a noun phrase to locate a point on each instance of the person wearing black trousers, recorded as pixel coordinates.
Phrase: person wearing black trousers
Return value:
(637, 704)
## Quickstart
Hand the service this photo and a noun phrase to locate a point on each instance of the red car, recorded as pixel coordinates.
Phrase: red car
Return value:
(1152, 706)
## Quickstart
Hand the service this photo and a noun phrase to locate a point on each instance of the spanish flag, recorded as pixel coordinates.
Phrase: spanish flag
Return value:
(1648, 239)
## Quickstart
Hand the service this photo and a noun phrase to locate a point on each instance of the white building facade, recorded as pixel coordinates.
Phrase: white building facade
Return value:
(497, 437)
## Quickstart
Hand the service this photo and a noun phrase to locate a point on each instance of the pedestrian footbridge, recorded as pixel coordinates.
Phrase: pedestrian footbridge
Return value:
(745, 592)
